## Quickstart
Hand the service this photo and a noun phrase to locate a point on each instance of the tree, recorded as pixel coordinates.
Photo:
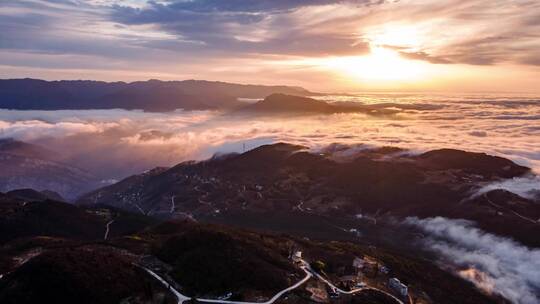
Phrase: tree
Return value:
(318, 266)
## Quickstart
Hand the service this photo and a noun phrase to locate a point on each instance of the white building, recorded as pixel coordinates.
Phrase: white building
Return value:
(297, 256)
(398, 287)
(358, 262)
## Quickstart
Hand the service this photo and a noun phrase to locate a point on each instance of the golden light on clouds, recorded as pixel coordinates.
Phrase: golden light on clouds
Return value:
(396, 35)
(380, 65)
(384, 64)
(380, 68)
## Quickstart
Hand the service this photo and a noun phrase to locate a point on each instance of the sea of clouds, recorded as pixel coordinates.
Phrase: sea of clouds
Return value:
(116, 143)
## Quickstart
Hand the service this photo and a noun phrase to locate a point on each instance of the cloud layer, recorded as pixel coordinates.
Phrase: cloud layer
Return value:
(495, 264)
(528, 187)
(136, 141)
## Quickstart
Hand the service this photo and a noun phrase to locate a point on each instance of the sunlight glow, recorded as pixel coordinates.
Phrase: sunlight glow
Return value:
(396, 35)
(380, 65)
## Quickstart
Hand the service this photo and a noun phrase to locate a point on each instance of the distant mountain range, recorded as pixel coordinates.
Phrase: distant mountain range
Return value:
(151, 95)
(163, 96)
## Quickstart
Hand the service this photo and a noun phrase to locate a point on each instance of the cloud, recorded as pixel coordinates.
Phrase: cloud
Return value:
(308, 28)
(34, 129)
(424, 56)
(495, 264)
(531, 59)
(476, 32)
(527, 187)
(240, 6)
(263, 27)
(136, 141)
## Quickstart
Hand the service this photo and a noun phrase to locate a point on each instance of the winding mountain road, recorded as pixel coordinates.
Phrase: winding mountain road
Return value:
(173, 204)
(522, 217)
(107, 229)
(181, 298)
(272, 300)
(349, 292)
(139, 208)
(304, 266)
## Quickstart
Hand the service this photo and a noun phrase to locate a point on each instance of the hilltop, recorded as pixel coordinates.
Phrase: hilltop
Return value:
(288, 188)
(287, 104)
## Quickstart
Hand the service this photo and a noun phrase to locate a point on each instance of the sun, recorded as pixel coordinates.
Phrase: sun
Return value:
(380, 65)
(383, 65)
(409, 36)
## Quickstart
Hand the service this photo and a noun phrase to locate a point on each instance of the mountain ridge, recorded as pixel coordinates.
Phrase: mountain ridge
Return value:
(285, 181)
(151, 95)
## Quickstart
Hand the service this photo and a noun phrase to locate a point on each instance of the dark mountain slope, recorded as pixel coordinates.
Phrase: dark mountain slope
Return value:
(286, 181)
(156, 95)
(217, 260)
(472, 163)
(21, 218)
(280, 103)
(214, 259)
(75, 275)
(33, 195)
(50, 218)
(202, 259)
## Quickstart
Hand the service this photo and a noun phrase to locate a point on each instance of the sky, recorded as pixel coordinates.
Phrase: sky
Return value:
(339, 46)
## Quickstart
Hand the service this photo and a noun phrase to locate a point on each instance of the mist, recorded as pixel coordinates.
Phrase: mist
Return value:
(494, 264)
(527, 187)
(113, 144)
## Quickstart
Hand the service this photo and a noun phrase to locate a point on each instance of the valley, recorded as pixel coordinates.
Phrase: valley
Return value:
(277, 224)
